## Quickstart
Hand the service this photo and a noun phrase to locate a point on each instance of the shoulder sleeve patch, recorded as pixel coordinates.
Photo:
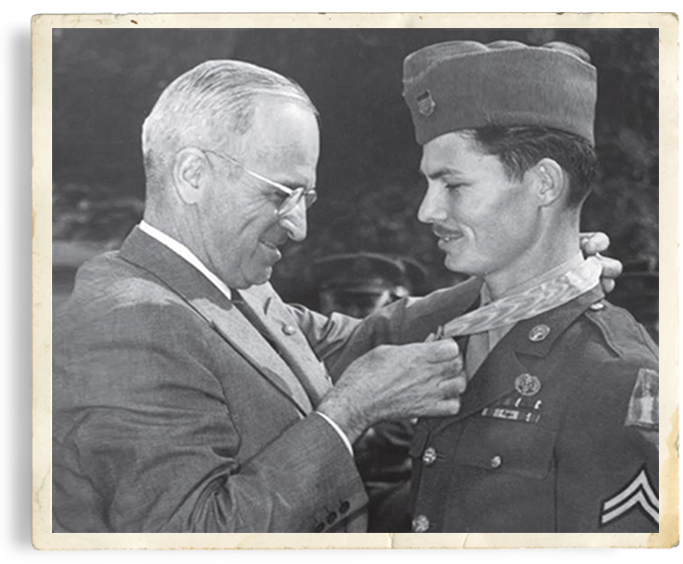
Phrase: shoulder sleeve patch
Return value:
(643, 407)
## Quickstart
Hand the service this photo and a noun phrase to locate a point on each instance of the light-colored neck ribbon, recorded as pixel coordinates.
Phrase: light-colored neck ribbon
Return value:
(530, 303)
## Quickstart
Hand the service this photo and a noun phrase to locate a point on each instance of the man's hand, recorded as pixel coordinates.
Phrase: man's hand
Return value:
(397, 382)
(592, 244)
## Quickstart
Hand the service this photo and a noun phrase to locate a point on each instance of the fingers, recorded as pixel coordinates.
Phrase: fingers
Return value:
(607, 285)
(446, 350)
(611, 268)
(453, 387)
(593, 243)
(446, 408)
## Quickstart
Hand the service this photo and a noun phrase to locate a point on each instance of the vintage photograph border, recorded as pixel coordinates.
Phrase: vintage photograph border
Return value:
(43, 538)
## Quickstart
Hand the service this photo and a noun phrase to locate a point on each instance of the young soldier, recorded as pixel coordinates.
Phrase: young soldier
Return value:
(558, 429)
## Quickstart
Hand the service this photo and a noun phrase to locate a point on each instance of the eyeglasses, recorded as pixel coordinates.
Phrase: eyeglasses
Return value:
(294, 195)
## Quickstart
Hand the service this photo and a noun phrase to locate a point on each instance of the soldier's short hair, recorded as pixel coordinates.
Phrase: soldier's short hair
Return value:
(520, 147)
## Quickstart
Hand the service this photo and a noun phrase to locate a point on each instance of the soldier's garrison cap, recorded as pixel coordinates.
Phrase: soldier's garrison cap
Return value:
(465, 84)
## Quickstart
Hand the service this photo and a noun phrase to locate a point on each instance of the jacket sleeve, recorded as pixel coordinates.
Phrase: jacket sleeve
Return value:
(144, 440)
(339, 340)
(607, 454)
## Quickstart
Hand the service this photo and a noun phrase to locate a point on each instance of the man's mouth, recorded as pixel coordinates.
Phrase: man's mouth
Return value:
(447, 235)
(270, 245)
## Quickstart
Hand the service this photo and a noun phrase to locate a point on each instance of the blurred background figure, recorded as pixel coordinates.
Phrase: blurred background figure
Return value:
(358, 284)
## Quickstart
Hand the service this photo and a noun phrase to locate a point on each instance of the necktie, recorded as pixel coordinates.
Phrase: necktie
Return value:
(478, 348)
(250, 314)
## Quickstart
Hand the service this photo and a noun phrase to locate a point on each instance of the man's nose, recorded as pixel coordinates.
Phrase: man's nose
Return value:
(431, 209)
(295, 221)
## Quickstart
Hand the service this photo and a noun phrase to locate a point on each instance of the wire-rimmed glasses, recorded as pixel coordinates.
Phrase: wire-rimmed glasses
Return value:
(294, 195)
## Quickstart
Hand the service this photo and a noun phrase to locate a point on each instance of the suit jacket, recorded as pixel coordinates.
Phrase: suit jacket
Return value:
(173, 413)
(553, 434)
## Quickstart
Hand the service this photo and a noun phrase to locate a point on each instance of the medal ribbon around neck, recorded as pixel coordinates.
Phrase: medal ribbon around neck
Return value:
(529, 303)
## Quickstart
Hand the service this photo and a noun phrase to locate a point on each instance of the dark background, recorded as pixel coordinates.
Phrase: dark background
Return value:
(105, 82)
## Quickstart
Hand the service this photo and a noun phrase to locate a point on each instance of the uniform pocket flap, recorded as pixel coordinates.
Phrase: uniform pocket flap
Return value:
(507, 446)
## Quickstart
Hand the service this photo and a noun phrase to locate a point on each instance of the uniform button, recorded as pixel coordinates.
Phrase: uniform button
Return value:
(319, 527)
(496, 462)
(344, 507)
(420, 524)
(332, 517)
(288, 329)
(429, 456)
(598, 306)
(539, 333)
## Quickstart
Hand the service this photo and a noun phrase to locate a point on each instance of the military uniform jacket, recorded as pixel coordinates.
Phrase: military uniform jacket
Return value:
(558, 432)
(173, 413)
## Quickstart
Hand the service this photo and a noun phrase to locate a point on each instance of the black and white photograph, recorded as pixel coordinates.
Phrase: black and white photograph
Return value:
(356, 280)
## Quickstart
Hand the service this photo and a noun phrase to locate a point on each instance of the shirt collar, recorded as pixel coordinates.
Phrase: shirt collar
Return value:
(185, 253)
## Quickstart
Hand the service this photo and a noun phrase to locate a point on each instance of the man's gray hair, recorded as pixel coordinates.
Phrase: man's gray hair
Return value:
(212, 103)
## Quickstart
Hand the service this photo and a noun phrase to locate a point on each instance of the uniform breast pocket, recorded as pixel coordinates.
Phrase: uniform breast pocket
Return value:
(507, 447)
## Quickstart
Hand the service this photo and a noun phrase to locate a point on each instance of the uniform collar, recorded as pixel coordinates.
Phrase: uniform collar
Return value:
(526, 336)
(496, 376)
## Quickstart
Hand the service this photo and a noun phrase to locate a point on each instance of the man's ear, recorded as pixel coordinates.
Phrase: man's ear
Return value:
(550, 180)
(189, 171)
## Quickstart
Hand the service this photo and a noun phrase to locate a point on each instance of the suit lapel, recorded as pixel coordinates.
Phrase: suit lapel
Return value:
(291, 341)
(205, 299)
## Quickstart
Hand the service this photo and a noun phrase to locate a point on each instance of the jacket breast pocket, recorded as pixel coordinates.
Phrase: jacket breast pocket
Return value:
(507, 447)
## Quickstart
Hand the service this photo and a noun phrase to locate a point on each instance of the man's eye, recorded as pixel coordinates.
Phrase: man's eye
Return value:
(278, 196)
(454, 186)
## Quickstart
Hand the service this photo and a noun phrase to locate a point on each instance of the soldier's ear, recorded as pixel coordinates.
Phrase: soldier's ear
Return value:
(189, 170)
(550, 181)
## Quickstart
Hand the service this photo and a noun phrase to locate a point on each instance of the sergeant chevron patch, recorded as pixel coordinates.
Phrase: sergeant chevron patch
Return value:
(638, 493)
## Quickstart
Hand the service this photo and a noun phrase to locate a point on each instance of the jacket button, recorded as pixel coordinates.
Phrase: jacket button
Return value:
(288, 329)
(539, 333)
(496, 462)
(420, 524)
(332, 517)
(429, 456)
(598, 306)
(344, 507)
(319, 527)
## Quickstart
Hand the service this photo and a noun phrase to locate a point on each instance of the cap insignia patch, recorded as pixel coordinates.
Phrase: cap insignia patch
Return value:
(425, 103)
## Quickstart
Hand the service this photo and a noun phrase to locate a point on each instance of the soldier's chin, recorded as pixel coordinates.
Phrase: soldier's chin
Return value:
(453, 263)
(460, 266)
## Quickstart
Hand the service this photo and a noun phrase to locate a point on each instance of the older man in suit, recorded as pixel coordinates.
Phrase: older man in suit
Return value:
(187, 396)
